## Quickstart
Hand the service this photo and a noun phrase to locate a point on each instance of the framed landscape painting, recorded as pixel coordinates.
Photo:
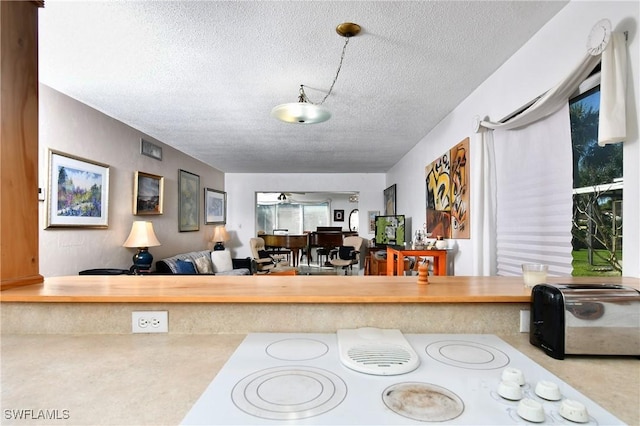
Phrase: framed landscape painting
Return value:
(188, 207)
(78, 192)
(147, 194)
(215, 207)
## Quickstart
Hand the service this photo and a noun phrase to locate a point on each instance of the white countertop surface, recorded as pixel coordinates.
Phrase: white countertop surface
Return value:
(155, 379)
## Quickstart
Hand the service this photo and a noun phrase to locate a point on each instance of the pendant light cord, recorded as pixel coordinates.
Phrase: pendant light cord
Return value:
(303, 95)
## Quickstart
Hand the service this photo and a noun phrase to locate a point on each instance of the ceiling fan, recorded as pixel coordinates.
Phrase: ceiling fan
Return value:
(285, 197)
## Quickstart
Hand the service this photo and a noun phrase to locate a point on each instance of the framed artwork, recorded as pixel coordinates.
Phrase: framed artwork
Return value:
(371, 215)
(148, 192)
(390, 200)
(447, 193)
(150, 150)
(78, 192)
(390, 230)
(215, 207)
(338, 215)
(188, 207)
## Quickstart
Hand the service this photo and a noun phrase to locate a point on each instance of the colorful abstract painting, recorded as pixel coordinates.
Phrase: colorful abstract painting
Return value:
(447, 187)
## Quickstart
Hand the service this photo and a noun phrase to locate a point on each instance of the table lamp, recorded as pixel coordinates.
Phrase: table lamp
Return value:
(142, 237)
(220, 235)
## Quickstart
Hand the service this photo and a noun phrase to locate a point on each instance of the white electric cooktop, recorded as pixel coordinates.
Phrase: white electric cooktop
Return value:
(299, 379)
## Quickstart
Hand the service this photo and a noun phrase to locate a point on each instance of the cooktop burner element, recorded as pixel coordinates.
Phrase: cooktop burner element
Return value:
(471, 355)
(423, 401)
(297, 349)
(289, 393)
(297, 379)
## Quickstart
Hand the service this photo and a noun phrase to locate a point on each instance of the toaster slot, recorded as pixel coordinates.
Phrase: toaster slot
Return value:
(593, 286)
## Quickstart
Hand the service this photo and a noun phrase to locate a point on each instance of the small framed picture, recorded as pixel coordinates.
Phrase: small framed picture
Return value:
(390, 200)
(188, 207)
(338, 215)
(148, 192)
(150, 150)
(371, 215)
(215, 207)
(78, 192)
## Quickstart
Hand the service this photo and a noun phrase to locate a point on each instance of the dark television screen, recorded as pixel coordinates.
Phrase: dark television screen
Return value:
(390, 230)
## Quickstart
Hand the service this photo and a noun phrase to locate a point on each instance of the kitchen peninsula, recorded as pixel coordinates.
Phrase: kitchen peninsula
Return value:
(80, 327)
(243, 304)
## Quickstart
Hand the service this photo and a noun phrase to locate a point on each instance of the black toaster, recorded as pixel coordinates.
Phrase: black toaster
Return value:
(585, 319)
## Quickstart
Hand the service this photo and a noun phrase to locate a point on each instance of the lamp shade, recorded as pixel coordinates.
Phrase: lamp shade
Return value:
(301, 113)
(141, 235)
(220, 234)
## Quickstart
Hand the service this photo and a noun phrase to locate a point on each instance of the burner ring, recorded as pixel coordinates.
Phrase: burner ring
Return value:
(297, 349)
(469, 355)
(423, 401)
(289, 393)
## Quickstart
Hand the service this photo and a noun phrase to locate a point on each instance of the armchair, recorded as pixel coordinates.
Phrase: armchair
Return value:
(348, 253)
(264, 261)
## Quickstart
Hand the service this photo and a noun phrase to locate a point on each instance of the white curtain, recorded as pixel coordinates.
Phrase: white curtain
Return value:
(613, 88)
(612, 126)
(552, 100)
(534, 205)
(483, 202)
(487, 203)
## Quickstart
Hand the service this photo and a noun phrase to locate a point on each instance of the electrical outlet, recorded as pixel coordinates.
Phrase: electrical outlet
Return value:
(524, 321)
(150, 322)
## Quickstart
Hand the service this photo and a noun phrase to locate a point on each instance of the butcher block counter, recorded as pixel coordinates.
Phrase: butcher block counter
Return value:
(281, 289)
(243, 304)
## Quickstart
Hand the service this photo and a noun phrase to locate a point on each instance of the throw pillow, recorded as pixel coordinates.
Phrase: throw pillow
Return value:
(346, 252)
(185, 267)
(204, 265)
(221, 261)
(262, 254)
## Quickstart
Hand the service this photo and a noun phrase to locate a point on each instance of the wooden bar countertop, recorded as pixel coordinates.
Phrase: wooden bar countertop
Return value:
(284, 289)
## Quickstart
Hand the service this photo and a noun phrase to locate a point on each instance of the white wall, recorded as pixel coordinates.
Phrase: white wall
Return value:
(74, 128)
(536, 67)
(241, 202)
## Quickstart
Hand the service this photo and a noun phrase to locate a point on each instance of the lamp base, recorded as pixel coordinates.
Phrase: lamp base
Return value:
(218, 246)
(142, 260)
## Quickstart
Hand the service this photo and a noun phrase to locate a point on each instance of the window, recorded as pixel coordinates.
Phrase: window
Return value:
(597, 190)
(293, 216)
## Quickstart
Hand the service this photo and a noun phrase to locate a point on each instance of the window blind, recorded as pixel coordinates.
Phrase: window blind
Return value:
(534, 195)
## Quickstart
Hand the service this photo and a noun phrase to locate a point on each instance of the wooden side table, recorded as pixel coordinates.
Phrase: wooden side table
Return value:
(396, 255)
(372, 265)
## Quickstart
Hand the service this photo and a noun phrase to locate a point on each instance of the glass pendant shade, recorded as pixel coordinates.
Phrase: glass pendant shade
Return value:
(304, 111)
(301, 113)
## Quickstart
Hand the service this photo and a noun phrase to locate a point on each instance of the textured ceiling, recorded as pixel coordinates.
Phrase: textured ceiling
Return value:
(204, 76)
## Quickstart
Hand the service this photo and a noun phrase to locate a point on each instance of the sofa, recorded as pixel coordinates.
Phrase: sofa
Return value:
(205, 262)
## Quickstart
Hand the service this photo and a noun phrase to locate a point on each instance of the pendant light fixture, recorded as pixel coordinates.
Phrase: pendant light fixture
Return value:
(304, 111)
